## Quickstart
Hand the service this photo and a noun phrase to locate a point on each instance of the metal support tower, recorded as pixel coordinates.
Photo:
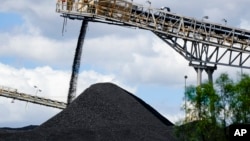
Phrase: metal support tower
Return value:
(199, 69)
(210, 71)
(77, 62)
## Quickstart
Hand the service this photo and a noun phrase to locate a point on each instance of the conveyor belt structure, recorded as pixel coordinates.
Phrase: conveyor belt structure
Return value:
(14, 94)
(197, 40)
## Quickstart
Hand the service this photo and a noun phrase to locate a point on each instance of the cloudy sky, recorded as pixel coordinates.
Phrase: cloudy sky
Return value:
(34, 52)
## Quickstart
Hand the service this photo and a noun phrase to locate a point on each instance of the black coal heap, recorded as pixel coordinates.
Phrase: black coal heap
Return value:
(103, 112)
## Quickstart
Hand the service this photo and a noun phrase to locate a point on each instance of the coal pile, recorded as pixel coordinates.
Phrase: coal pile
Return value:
(103, 112)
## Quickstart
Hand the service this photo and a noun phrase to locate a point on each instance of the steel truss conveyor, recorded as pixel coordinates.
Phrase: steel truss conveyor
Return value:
(199, 41)
(13, 93)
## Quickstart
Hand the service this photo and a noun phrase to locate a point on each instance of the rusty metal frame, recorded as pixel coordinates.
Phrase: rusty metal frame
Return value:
(195, 39)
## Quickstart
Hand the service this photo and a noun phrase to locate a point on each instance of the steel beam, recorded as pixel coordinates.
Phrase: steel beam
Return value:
(197, 40)
(14, 94)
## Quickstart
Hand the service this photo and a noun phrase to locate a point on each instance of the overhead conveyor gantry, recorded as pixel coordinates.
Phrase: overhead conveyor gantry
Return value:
(204, 44)
(13, 93)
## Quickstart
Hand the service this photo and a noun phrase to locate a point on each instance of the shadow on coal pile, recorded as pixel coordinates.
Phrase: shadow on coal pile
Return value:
(103, 112)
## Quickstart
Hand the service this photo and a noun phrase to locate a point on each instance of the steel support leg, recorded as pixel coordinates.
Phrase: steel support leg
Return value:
(199, 74)
(210, 71)
(77, 62)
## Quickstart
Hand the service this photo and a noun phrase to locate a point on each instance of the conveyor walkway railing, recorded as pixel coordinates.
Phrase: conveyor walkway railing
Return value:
(14, 94)
(196, 40)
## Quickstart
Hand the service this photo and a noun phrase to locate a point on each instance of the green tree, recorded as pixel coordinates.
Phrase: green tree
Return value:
(226, 92)
(201, 113)
(210, 110)
(202, 102)
(241, 103)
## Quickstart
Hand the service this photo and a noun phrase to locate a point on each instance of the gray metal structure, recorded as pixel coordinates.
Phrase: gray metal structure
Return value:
(204, 44)
(198, 41)
(14, 94)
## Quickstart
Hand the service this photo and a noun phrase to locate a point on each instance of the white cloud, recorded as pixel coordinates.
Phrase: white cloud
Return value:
(166, 67)
(31, 10)
(244, 24)
(37, 48)
(20, 114)
(105, 51)
(175, 118)
(135, 54)
(54, 85)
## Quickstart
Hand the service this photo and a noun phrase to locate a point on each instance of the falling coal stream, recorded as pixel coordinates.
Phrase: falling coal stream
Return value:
(77, 62)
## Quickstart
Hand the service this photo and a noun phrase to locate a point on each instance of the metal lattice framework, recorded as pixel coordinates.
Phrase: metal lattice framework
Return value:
(198, 41)
(13, 93)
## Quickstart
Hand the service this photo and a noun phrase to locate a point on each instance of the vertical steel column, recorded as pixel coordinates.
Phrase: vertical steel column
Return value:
(77, 62)
(210, 71)
(199, 74)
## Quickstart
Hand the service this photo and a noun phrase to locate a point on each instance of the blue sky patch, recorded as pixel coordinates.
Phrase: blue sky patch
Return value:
(9, 20)
(17, 62)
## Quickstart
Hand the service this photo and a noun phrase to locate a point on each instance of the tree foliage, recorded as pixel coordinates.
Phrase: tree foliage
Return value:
(226, 92)
(211, 108)
(241, 103)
